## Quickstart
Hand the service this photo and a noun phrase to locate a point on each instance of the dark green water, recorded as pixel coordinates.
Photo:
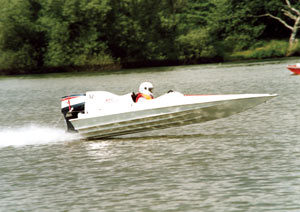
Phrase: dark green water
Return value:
(247, 162)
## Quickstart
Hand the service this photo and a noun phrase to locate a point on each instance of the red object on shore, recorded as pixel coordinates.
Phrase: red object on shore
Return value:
(294, 68)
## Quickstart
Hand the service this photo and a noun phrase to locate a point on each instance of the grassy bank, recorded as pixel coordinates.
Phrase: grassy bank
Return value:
(265, 50)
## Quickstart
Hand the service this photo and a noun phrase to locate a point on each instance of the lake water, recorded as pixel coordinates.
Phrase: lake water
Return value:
(246, 162)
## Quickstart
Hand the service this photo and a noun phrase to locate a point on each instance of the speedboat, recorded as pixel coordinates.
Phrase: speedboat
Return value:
(101, 114)
(294, 68)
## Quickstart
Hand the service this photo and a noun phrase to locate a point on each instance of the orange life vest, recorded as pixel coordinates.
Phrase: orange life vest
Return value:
(139, 95)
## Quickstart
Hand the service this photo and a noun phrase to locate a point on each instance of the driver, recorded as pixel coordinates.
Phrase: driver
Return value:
(145, 92)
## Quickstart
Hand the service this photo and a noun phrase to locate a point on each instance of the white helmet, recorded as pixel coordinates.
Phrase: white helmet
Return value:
(146, 88)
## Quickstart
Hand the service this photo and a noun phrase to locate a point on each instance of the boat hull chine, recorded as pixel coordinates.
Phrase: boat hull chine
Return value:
(161, 118)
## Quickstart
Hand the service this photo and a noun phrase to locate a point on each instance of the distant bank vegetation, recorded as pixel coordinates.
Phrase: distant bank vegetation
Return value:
(40, 36)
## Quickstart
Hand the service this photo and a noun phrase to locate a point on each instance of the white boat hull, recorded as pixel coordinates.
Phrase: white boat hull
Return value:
(195, 109)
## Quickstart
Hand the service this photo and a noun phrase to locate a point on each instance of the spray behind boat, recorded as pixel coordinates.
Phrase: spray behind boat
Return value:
(70, 107)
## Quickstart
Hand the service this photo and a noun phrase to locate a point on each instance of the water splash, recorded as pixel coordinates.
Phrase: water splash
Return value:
(34, 135)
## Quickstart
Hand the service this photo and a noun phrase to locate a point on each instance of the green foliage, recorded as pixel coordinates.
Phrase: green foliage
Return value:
(236, 23)
(194, 14)
(195, 45)
(39, 34)
(74, 30)
(143, 30)
(21, 41)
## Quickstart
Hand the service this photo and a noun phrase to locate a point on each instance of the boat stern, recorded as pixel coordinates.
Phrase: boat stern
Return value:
(71, 106)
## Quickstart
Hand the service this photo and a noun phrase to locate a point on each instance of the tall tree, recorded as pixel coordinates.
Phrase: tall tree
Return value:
(293, 13)
(74, 31)
(22, 41)
(231, 22)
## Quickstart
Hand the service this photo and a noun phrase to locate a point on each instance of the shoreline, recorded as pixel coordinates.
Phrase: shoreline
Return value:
(129, 65)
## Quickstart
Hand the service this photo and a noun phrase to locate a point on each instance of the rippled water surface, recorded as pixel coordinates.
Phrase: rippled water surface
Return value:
(247, 162)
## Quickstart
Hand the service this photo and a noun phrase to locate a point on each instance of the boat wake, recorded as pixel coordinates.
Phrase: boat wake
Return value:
(34, 135)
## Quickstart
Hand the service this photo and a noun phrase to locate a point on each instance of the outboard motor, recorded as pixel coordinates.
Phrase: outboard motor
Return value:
(70, 107)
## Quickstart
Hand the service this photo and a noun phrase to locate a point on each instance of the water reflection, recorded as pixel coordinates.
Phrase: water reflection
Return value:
(99, 151)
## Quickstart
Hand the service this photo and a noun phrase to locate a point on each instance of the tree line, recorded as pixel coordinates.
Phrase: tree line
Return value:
(45, 35)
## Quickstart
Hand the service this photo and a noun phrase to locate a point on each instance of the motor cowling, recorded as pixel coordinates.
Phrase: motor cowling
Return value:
(70, 107)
